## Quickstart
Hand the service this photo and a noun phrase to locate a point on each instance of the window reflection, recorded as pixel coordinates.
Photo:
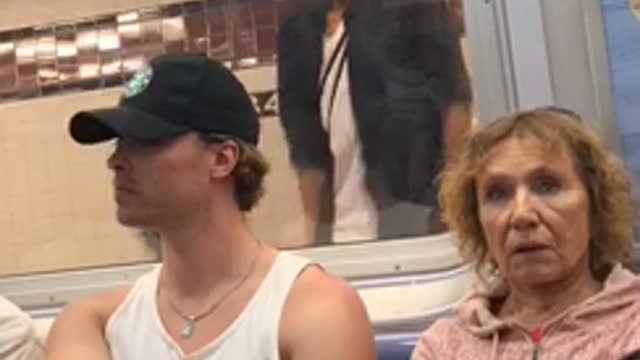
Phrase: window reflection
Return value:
(105, 50)
(88, 57)
(369, 93)
(266, 22)
(173, 29)
(196, 27)
(130, 35)
(109, 51)
(140, 37)
(8, 69)
(220, 42)
(46, 59)
(244, 34)
(366, 170)
(67, 54)
(26, 62)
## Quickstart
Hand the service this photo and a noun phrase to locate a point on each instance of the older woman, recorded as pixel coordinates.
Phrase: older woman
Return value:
(544, 212)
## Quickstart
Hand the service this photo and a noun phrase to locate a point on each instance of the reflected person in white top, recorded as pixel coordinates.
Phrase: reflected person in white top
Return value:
(374, 98)
(186, 167)
(18, 338)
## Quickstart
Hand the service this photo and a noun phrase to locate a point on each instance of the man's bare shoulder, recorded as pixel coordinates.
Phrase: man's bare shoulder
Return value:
(324, 318)
(79, 330)
(314, 286)
(100, 306)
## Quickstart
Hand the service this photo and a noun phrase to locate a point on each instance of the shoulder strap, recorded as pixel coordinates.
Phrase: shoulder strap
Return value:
(342, 51)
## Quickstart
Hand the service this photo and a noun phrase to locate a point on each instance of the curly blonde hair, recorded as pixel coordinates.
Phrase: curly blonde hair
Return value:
(603, 175)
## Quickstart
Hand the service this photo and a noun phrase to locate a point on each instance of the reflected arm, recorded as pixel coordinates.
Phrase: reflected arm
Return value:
(457, 125)
(308, 142)
(312, 184)
(457, 116)
(426, 45)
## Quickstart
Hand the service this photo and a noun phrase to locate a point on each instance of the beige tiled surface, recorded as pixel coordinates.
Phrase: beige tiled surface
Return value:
(57, 211)
(278, 218)
(56, 207)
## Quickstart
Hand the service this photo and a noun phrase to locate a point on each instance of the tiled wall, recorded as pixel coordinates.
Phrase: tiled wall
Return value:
(56, 208)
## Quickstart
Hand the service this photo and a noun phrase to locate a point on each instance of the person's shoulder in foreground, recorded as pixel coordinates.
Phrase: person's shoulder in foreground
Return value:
(83, 324)
(18, 337)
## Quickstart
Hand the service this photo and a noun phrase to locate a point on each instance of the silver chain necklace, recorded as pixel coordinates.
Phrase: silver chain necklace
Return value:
(191, 320)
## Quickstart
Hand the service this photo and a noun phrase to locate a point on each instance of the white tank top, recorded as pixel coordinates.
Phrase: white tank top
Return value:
(134, 331)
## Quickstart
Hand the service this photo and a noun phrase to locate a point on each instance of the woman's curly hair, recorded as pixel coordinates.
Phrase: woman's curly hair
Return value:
(603, 175)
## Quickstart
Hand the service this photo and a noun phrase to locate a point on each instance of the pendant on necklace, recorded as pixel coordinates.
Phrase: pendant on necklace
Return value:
(188, 329)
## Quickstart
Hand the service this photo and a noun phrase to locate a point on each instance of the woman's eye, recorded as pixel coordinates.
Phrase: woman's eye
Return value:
(547, 186)
(495, 193)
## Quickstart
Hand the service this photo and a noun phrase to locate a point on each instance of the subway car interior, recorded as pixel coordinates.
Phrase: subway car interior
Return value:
(61, 241)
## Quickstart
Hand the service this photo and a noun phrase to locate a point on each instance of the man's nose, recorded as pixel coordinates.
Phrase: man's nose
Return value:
(118, 159)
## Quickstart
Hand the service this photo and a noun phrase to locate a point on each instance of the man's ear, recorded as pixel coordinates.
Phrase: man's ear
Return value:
(224, 158)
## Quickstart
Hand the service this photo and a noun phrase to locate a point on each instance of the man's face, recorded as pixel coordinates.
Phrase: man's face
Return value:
(155, 183)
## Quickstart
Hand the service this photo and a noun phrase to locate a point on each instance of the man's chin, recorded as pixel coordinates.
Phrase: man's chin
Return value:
(129, 220)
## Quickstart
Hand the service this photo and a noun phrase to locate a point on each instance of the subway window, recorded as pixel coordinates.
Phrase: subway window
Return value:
(361, 105)
(622, 28)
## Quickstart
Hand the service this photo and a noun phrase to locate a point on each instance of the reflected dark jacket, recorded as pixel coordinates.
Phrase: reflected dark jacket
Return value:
(405, 70)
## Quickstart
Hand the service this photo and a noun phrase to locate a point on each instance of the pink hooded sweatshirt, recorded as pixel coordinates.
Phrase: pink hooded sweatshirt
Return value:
(606, 326)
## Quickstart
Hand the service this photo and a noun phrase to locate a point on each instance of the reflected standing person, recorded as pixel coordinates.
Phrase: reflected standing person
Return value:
(541, 208)
(374, 95)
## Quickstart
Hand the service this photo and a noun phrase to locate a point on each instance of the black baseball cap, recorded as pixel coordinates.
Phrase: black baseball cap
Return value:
(172, 95)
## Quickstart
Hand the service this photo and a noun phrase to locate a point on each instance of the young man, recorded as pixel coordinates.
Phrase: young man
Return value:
(373, 96)
(186, 167)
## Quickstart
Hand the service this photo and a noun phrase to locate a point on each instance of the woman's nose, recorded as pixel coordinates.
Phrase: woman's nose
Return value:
(523, 214)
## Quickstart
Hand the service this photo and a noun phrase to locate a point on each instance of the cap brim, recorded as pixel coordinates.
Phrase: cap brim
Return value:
(90, 127)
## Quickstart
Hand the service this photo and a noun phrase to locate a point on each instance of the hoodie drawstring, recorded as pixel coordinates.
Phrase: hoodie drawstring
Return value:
(536, 337)
(494, 346)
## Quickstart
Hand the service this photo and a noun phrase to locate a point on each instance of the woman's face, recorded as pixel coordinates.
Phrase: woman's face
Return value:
(534, 211)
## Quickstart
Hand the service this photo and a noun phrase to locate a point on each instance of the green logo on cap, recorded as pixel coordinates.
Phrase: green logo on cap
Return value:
(139, 82)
